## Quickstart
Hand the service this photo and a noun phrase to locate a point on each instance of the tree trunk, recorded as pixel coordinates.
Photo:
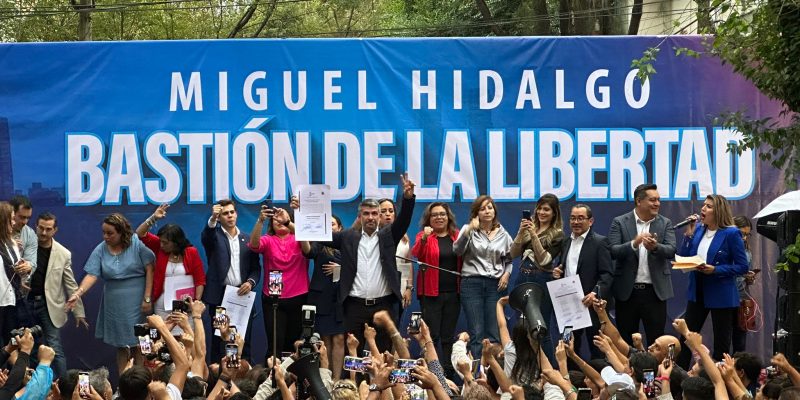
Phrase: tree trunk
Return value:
(541, 18)
(85, 19)
(636, 17)
(704, 24)
(487, 16)
(584, 17)
(565, 17)
(267, 16)
(243, 20)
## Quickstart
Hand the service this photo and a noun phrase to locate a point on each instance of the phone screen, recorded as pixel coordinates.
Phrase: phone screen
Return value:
(232, 330)
(671, 352)
(275, 283)
(584, 394)
(649, 383)
(475, 368)
(354, 364)
(154, 335)
(145, 345)
(177, 305)
(566, 336)
(405, 363)
(232, 352)
(83, 385)
(219, 317)
(400, 376)
(413, 325)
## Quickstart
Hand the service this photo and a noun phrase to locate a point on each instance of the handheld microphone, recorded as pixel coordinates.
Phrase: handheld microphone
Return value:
(690, 219)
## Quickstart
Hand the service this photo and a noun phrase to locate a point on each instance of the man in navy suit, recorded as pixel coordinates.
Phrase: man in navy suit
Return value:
(230, 262)
(586, 254)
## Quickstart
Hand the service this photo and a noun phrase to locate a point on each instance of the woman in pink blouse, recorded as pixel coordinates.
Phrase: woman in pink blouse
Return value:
(281, 252)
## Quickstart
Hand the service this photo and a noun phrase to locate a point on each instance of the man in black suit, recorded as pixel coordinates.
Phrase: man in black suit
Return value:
(642, 245)
(225, 247)
(586, 254)
(369, 280)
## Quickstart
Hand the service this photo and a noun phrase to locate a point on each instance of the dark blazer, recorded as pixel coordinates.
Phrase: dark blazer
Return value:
(726, 253)
(388, 238)
(218, 255)
(626, 260)
(595, 267)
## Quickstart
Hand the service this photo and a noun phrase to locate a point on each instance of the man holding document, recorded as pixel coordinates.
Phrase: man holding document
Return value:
(230, 263)
(586, 254)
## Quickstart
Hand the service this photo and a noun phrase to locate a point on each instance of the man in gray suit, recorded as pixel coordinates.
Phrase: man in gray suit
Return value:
(642, 245)
(52, 284)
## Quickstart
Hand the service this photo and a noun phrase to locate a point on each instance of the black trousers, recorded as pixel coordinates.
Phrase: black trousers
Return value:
(643, 306)
(289, 322)
(441, 314)
(358, 312)
(722, 320)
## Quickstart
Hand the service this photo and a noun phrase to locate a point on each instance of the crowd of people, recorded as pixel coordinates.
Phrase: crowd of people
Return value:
(361, 285)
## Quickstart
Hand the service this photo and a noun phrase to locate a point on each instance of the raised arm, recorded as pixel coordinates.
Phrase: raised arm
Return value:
(502, 325)
(145, 226)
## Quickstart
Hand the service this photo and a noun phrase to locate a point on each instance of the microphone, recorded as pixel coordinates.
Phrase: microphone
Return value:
(690, 219)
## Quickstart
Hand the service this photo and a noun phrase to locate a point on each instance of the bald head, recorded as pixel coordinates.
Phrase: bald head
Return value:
(660, 348)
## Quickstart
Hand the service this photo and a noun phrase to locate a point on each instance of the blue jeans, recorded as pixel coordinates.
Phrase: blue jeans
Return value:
(51, 336)
(479, 297)
(545, 307)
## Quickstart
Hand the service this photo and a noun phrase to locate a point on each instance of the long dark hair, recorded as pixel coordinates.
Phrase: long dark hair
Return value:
(173, 233)
(527, 363)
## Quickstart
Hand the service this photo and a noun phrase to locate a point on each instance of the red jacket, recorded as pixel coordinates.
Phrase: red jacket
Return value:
(192, 263)
(427, 251)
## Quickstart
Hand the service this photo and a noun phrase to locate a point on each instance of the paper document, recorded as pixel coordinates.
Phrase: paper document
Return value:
(687, 262)
(567, 295)
(237, 308)
(313, 218)
(177, 288)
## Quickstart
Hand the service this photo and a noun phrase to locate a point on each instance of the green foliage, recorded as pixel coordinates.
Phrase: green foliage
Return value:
(791, 254)
(645, 64)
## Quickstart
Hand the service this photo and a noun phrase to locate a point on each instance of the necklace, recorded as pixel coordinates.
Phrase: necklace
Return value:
(711, 235)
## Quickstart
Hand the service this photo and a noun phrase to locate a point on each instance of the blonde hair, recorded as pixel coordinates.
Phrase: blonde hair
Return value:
(722, 210)
(345, 389)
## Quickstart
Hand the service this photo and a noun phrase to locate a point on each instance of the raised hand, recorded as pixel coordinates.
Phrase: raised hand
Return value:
(160, 212)
(408, 186)
(426, 231)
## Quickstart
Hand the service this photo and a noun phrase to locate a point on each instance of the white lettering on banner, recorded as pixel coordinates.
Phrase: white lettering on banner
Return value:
(488, 85)
(248, 165)
(496, 174)
(178, 91)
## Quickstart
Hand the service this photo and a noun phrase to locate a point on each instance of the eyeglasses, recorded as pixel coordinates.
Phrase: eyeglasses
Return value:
(579, 218)
(439, 215)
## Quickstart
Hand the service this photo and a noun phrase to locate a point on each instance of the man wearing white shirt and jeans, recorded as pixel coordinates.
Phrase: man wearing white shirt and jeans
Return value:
(586, 254)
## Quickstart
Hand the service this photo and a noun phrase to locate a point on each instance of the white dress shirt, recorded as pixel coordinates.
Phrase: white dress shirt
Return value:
(369, 282)
(705, 243)
(234, 277)
(574, 253)
(643, 273)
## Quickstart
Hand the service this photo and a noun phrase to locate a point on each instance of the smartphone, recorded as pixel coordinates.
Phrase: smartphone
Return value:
(285, 354)
(526, 214)
(275, 283)
(145, 344)
(401, 376)
(219, 317)
(596, 292)
(671, 352)
(141, 330)
(154, 335)
(180, 306)
(355, 364)
(83, 385)
(649, 383)
(413, 325)
(475, 368)
(415, 392)
(232, 330)
(366, 353)
(566, 335)
(232, 352)
(584, 394)
(406, 363)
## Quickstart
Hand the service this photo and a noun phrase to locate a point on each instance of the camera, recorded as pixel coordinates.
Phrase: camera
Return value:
(36, 331)
(310, 338)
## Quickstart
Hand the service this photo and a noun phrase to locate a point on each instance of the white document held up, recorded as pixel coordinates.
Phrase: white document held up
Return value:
(313, 218)
(566, 295)
(238, 307)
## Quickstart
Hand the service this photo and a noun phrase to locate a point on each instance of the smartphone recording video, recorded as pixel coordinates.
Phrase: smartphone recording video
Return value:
(649, 383)
(232, 333)
(401, 376)
(406, 363)
(566, 335)
(356, 364)
(145, 345)
(275, 283)
(413, 325)
(232, 352)
(83, 385)
(219, 317)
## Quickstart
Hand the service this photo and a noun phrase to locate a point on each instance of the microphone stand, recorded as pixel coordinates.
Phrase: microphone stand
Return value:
(423, 267)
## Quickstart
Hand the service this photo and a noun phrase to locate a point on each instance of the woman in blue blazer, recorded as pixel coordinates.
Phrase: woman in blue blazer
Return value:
(712, 287)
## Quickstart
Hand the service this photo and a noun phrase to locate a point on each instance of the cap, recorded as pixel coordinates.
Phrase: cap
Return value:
(617, 382)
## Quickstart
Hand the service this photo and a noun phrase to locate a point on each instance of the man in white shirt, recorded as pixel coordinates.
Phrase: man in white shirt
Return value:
(642, 245)
(586, 254)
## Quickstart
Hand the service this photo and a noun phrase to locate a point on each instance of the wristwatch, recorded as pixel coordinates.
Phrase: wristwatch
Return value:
(147, 299)
(375, 388)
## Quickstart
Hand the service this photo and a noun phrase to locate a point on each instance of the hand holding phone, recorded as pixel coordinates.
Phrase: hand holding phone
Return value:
(413, 325)
(526, 214)
(566, 335)
(83, 385)
(232, 352)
